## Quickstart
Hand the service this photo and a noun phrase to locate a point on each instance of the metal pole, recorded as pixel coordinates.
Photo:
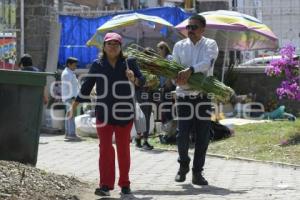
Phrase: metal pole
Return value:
(129, 5)
(223, 67)
(138, 33)
(22, 28)
(234, 5)
(60, 5)
(122, 5)
(194, 5)
(225, 57)
(9, 14)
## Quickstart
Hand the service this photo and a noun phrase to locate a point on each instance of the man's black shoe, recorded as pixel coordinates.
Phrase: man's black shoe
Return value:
(126, 190)
(138, 143)
(102, 191)
(181, 174)
(147, 146)
(198, 179)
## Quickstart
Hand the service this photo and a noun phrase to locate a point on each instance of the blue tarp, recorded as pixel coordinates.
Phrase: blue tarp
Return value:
(76, 31)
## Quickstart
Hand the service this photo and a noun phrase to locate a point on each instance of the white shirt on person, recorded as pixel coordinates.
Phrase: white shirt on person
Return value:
(69, 84)
(200, 56)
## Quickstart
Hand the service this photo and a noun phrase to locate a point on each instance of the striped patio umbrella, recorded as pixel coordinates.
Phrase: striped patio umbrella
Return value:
(236, 31)
(135, 27)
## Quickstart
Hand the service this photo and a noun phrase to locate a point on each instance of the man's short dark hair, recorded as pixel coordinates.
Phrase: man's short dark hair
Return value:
(72, 60)
(26, 60)
(200, 18)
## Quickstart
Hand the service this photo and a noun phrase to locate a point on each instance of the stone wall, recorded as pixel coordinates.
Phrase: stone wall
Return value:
(264, 88)
(212, 5)
(37, 17)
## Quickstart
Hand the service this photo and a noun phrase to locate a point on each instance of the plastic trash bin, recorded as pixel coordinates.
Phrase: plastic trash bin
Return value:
(21, 107)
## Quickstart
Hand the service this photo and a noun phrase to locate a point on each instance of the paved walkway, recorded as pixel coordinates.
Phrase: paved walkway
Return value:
(152, 174)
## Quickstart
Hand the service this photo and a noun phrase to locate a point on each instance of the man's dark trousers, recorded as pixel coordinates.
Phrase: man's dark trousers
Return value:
(189, 106)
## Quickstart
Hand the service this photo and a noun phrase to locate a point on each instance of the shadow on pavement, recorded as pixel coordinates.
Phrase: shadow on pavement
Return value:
(74, 141)
(126, 197)
(189, 189)
(153, 151)
(61, 138)
(50, 135)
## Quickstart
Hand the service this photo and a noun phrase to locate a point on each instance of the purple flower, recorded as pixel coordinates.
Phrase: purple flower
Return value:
(290, 90)
(289, 68)
(288, 51)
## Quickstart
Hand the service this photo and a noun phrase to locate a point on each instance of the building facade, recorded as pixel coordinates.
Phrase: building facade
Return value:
(283, 17)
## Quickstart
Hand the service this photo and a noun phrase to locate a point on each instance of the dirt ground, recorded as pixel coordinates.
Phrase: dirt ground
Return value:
(22, 182)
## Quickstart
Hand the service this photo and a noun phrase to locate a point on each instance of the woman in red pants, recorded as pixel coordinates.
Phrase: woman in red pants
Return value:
(114, 110)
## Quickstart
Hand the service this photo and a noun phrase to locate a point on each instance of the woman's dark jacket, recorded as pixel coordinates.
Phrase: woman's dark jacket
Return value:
(104, 89)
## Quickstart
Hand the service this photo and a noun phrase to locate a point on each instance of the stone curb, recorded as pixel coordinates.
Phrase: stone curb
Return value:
(280, 164)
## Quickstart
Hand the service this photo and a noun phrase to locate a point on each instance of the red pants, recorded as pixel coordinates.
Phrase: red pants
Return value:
(107, 154)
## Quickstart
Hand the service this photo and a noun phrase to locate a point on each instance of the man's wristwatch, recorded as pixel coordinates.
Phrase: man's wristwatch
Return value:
(192, 69)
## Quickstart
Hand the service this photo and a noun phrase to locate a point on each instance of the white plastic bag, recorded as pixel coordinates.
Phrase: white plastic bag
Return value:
(139, 119)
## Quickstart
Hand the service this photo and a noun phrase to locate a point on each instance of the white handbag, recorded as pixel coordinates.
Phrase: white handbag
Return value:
(139, 116)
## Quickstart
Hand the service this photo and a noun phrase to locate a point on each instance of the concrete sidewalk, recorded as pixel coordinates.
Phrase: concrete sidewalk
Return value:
(152, 174)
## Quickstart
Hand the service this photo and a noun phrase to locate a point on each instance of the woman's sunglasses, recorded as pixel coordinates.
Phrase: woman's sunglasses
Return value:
(192, 27)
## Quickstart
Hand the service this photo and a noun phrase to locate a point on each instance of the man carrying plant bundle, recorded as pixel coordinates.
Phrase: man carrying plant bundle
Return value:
(193, 107)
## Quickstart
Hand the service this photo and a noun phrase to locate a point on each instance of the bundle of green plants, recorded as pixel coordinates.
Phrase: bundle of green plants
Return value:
(152, 81)
(155, 64)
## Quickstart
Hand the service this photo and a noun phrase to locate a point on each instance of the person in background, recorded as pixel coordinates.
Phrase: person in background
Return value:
(69, 90)
(166, 85)
(164, 51)
(26, 64)
(114, 110)
(198, 53)
(144, 95)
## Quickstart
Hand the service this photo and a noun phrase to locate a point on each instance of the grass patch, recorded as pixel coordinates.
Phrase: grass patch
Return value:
(277, 141)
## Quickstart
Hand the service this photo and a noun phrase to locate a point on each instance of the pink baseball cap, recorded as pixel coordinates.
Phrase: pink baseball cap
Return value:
(113, 36)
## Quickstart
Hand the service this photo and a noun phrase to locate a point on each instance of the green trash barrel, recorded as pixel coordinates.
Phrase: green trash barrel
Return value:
(21, 107)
